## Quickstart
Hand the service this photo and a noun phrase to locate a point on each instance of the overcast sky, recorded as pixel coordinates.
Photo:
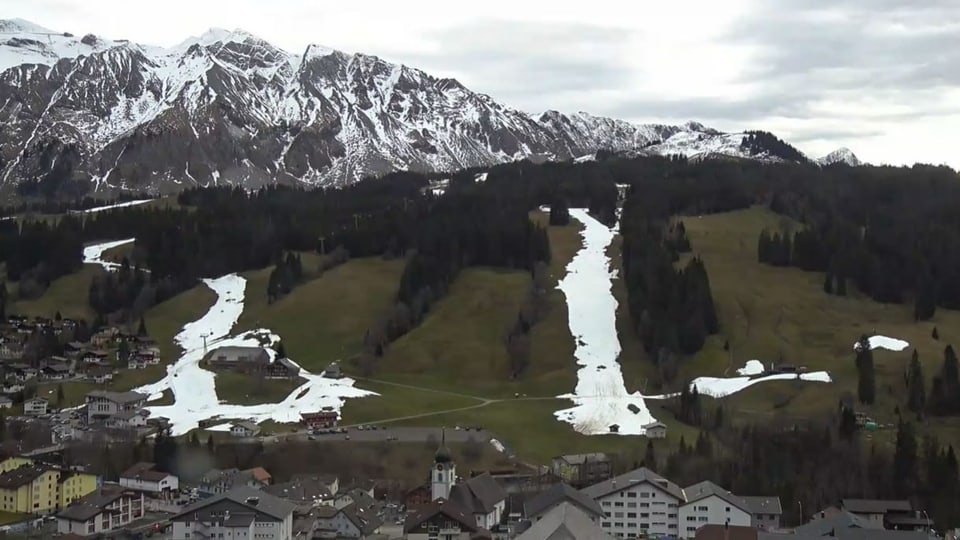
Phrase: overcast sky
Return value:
(879, 76)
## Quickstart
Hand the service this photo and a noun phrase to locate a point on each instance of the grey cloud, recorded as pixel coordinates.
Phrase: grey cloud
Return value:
(516, 61)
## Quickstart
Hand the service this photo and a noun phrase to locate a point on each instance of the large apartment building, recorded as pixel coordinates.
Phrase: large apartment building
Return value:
(27, 487)
(642, 503)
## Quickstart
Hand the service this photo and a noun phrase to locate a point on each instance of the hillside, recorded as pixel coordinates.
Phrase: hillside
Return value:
(89, 114)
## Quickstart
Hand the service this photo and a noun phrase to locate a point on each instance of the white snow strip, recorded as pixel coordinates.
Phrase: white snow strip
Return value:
(753, 367)
(194, 388)
(497, 445)
(719, 387)
(601, 397)
(220, 427)
(481, 178)
(884, 342)
(117, 205)
(93, 254)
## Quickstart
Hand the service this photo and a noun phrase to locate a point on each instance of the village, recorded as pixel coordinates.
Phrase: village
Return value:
(574, 497)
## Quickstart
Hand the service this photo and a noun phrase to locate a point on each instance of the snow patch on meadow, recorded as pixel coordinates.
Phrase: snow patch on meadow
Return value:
(93, 254)
(884, 342)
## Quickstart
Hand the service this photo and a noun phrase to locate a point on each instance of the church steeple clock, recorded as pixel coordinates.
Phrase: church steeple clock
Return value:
(444, 473)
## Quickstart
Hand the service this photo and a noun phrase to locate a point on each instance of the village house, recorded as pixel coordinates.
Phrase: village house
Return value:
(251, 360)
(105, 337)
(708, 503)
(100, 374)
(581, 470)
(217, 481)
(535, 508)
(21, 372)
(103, 404)
(319, 420)
(282, 368)
(333, 371)
(144, 477)
(565, 520)
(35, 406)
(128, 419)
(75, 348)
(442, 519)
(105, 510)
(55, 371)
(244, 429)
(242, 513)
(766, 511)
(351, 521)
(5, 402)
(95, 356)
(655, 430)
(307, 490)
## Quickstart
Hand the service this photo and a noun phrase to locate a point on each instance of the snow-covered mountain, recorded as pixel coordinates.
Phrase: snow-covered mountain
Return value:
(228, 107)
(840, 155)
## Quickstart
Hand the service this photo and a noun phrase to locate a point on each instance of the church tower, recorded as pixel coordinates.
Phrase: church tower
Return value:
(444, 473)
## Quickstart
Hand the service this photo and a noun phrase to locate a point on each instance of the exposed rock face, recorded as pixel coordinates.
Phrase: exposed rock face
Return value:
(228, 107)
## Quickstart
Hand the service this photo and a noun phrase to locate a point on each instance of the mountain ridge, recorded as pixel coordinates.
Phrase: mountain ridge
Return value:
(229, 107)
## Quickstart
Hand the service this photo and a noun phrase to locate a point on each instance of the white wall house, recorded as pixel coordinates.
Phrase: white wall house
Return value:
(638, 502)
(143, 477)
(101, 511)
(710, 504)
(240, 514)
(35, 407)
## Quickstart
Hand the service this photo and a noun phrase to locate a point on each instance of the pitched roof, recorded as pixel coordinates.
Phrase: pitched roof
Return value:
(637, 476)
(880, 534)
(575, 459)
(561, 494)
(144, 471)
(118, 397)
(300, 489)
(21, 476)
(836, 522)
(702, 490)
(875, 506)
(722, 532)
(479, 494)
(249, 426)
(259, 502)
(565, 522)
(260, 474)
(764, 505)
(440, 507)
(95, 503)
(367, 521)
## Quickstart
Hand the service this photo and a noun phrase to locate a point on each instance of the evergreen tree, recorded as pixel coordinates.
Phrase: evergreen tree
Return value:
(917, 396)
(281, 350)
(718, 419)
(194, 440)
(828, 283)
(925, 300)
(841, 287)
(866, 384)
(210, 445)
(3, 299)
(848, 423)
(57, 316)
(123, 353)
(905, 461)
(650, 457)
(3, 426)
(935, 334)
(559, 212)
(60, 396)
(142, 329)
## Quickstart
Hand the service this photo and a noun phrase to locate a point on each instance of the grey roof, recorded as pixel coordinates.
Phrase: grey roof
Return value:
(880, 534)
(301, 489)
(249, 353)
(367, 521)
(90, 505)
(479, 494)
(702, 490)
(118, 397)
(875, 506)
(574, 459)
(440, 507)
(764, 505)
(840, 520)
(560, 494)
(565, 522)
(288, 363)
(240, 520)
(637, 476)
(249, 426)
(266, 503)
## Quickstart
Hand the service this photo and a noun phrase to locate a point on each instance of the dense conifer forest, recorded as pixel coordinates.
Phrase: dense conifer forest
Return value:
(892, 233)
